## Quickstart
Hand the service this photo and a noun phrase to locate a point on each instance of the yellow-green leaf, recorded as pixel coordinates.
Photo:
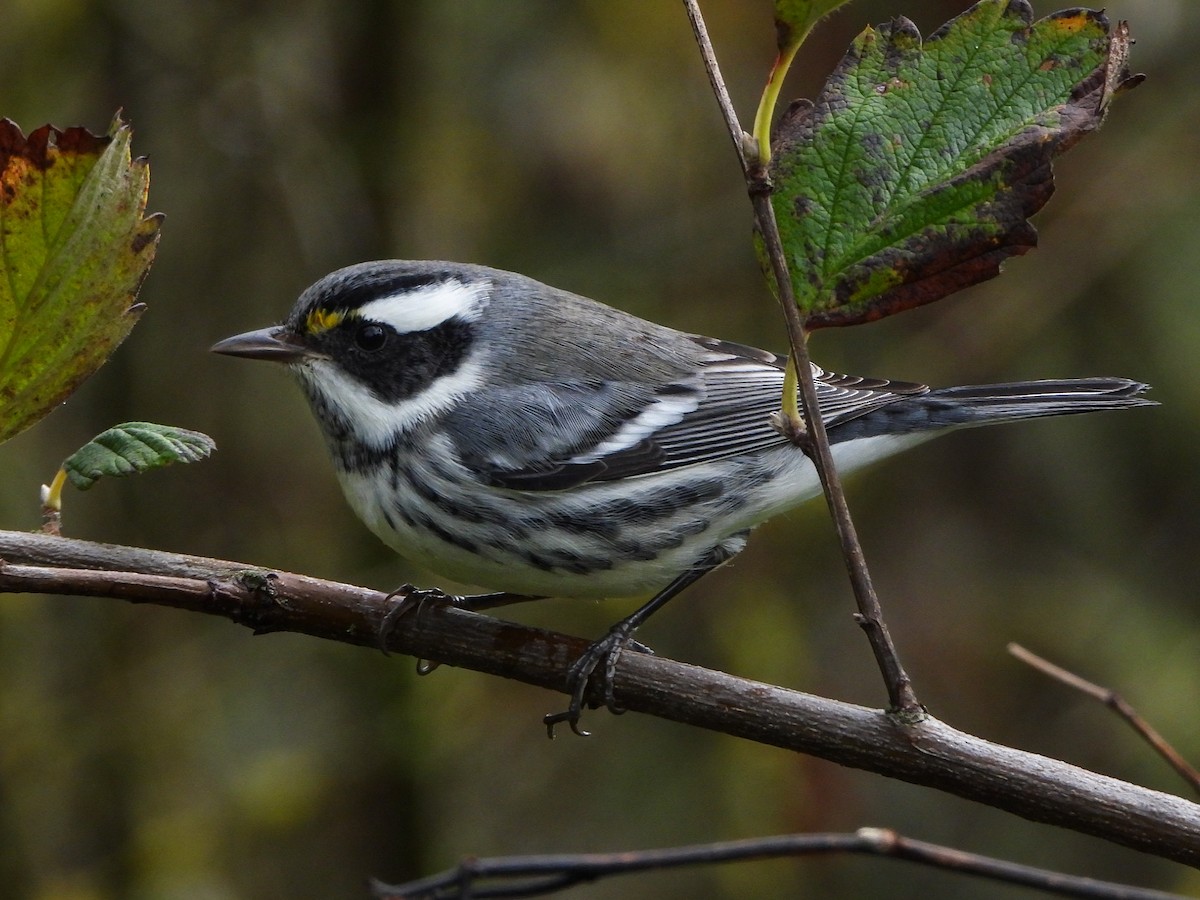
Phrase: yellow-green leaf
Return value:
(75, 245)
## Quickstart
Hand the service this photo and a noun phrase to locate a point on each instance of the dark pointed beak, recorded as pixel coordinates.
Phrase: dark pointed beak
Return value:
(276, 344)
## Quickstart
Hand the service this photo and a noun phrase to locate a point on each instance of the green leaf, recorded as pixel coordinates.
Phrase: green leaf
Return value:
(74, 247)
(794, 18)
(914, 173)
(134, 447)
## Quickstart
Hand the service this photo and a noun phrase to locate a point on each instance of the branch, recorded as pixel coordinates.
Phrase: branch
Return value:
(811, 433)
(1117, 704)
(927, 752)
(535, 875)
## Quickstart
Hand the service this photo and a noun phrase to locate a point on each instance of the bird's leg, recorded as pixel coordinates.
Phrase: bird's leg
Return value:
(608, 649)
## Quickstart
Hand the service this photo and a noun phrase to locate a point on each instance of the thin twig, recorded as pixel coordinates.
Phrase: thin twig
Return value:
(901, 695)
(709, 55)
(535, 875)
(1119, 705)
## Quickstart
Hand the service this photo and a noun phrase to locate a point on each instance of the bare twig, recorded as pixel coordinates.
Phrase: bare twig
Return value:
(928, 752)
(536, 875)
(1118, 704)
(709, 55)
(901, 695)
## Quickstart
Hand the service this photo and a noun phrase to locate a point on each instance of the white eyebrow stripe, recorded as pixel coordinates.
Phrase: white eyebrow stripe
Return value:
(427, 307)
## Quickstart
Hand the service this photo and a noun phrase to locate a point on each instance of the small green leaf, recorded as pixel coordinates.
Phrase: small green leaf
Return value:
(914, 173)
(134, 447)
(74, 247)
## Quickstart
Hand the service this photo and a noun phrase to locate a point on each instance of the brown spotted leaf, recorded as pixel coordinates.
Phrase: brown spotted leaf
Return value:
(75, 244)
(915, 172)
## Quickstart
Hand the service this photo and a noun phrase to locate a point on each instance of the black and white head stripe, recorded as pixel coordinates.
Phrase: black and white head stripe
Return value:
(392, 350)
(356, 286)
(425, 306)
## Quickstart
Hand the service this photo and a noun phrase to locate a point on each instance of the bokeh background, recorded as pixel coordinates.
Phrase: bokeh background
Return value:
(148, 753)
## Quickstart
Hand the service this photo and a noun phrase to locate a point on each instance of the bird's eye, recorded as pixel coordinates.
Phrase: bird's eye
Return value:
(370, 337)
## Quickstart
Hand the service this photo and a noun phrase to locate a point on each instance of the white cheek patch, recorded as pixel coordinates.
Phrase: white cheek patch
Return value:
(427, 307)
(375, 422)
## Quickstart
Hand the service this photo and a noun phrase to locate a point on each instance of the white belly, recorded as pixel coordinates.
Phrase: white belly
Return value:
(589, 541)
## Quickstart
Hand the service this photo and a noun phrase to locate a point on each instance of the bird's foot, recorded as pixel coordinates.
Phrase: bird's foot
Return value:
(607, 650)
(408, 599)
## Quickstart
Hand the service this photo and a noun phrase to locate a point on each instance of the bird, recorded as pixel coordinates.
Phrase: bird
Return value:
(534, 442)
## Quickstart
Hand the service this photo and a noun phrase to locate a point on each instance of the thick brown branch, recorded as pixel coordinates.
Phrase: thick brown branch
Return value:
(927, 752)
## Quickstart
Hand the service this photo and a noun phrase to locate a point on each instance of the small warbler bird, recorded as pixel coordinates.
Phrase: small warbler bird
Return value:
(534, 442)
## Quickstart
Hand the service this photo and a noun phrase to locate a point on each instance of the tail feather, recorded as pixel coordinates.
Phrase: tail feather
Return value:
(986, 404)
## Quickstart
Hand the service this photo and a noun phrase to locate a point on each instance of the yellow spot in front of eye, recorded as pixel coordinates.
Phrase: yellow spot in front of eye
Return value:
(322, 320)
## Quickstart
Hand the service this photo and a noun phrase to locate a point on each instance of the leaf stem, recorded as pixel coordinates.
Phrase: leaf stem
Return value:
(52, 494)
(52, 504)
(792, 419)
(770, 95)
(793, 422)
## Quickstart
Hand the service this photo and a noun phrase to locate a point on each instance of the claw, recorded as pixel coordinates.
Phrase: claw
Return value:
(607, 650)
(620, 638)
(553, 719)
(610, 674)
(409, 598)
(638, 647)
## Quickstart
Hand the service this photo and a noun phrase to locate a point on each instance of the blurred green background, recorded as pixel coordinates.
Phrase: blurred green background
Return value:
(147, 753)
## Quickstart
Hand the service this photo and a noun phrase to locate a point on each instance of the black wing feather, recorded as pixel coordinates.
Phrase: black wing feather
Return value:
(544, 437)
